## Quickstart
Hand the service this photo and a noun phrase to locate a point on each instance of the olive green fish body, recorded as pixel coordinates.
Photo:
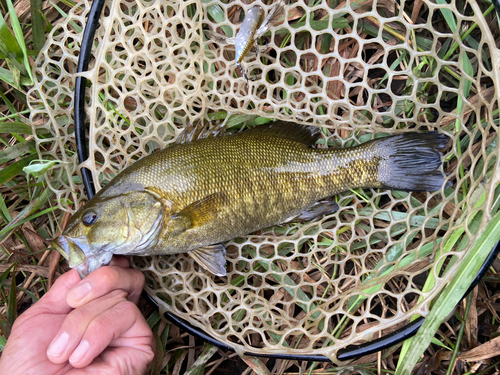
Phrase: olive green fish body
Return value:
(198, 194)
(237, 174)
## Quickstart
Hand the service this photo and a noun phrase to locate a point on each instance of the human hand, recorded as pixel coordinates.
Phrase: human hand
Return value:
(83, 326)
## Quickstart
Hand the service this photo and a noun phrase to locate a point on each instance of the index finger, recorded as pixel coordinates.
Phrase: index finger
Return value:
(119, 261)
(104, 280)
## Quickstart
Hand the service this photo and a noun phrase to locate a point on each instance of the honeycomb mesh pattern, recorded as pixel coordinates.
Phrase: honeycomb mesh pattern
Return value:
(355, 70)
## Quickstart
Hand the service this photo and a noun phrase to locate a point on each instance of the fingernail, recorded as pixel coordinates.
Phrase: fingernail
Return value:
(57, 347)
(79, 351)
(79, 292)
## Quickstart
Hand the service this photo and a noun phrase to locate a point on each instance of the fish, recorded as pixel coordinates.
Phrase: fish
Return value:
(212, 187)
(253, 27)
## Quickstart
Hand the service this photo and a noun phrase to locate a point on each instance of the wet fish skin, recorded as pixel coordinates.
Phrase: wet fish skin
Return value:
(191, 197)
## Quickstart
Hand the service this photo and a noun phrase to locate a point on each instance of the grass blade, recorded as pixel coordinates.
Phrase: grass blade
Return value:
(18, 32)
(160, 353)
(3, 342)
(21, 220)
(198, 367)
(448, 15)
(451, 295)
(9, 46)
(5, 326)
(13, 111)
(12, 308)
(153, 319)
(216, 12)
(4, 275)
(255, 364)
(15, 127)
(16, 151)
(8, 173)
(7, 76)
(4, 211)
(37, 24)
(65, 15)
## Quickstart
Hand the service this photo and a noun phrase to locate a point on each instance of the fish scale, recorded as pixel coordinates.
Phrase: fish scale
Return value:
(192, 196)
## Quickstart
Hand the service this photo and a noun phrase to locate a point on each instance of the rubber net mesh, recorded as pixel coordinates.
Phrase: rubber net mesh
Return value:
(355, 68)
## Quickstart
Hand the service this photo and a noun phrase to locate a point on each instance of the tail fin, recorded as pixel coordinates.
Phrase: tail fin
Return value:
(412, 161)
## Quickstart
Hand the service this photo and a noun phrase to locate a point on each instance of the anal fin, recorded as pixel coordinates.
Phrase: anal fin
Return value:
(212, 258)
(316, 211)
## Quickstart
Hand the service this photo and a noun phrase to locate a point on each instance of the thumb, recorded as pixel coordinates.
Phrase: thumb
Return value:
(54, 301)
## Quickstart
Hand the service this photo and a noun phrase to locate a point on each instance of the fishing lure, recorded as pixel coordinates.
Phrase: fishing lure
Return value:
(253, 27)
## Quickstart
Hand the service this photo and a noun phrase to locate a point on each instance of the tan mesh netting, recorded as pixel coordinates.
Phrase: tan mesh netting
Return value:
(356, 68)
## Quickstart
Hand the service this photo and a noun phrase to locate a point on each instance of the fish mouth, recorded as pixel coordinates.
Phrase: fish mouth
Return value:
(76, 257)
(69, 250)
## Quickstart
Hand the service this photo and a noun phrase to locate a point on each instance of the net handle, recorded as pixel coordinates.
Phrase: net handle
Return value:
(80, 84)
(350, 352)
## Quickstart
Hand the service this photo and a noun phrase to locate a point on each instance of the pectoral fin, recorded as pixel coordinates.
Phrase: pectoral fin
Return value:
(212, 258)
(197, 213)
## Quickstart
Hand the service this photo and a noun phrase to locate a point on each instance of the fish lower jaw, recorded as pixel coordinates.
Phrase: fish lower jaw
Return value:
(92, 263)
(83, 270)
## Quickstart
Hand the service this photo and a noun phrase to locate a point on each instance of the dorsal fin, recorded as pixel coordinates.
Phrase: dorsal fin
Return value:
(199, 131)
(305, 134)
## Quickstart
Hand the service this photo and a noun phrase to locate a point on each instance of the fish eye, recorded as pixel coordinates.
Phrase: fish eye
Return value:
(89, 218)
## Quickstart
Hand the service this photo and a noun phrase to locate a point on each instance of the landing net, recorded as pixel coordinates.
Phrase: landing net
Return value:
(358, 69)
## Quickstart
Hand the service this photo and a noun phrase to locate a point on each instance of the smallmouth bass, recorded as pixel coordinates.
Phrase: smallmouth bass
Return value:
(190, 197)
